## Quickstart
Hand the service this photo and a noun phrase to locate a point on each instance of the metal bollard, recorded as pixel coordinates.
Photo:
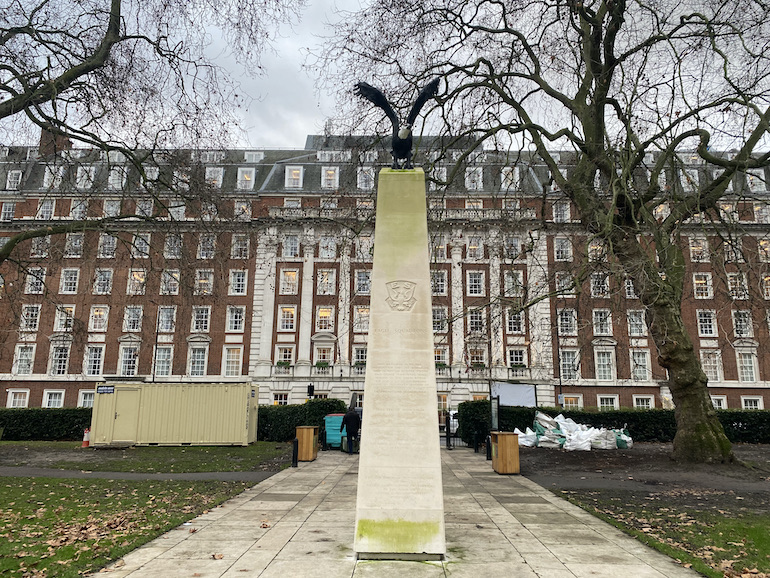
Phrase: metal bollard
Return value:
(489, 447)
(294, 452)
(448, 437)
(476, 443)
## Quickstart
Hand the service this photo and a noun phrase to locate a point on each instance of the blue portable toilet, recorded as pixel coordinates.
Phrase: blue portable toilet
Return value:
(332, 424)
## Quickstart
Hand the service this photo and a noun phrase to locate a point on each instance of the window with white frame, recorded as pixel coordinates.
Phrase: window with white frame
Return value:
(206, 246)
(438, 247)
(290, 246)
(566, 322)
(711, 363)
(728, 212)
(59, 359)
(762, 213)
(17, 398)
(362, 280)
(162, 366)
(169, 282)
(565, 283)
(242, 210)
(288, 282)
(132, 319)
(106, 246)
(517, 357)
(640, 365)
(562, 249)
(172, 246)
(98, 317)
(364, 247)
(605, 364)
(474, 204)
(24, 359)
(78, 209)
(644, 402)
(440, 319)
(361, 319)
(440, 356)
(600, 285)
(474, 178)
(287, 319)
(236, 318)
(763, 249)
(476, 321)
(513, 283)
(93, 364)
(702, 286)
(232, 360)
(292, 203)
(755, 179)
(438, 178)
(30, 317)
(53, 398)
(245, 178)
(719, 401)
(140, 246)
(116, 178)
(365, 178)
(64, 318)
(238, 282)
(34, 283)
(330, 177)
(607, 402)
(747, 366)
(204, 282)
(699, 250)
(13, 180)
(327, 247)
(45, 209)
(637, 326)
(144, 208)
(197, 360)
(239, 247)
(475, 283)
(253, 156)
(73, 246)
(742, 325)
(166, 318)
(293, 178)
(102, 282)
(8, 212)
(602, 322)
(630, 289)
(475, 247)
(129, 360)
(324, 318)
(572, 401)
(137, 281)
(438, 282)
(736, 284)
(477, 357)
(111, 207)
(201, 316)
(509, 178)
(327, 282)
(514, 321)
(176, 209)
(707, 325)
(214, 176)
(512, 247)
(597, 250)
(733, 249)
(40, 246)
(766, 286)
(561, 211)
(752, 402)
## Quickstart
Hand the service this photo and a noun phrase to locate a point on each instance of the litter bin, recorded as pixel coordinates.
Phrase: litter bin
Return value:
(505, 452)
(307, 436)
(332, 422)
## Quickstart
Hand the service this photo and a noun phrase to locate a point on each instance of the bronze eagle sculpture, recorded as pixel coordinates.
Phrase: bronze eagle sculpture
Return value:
(402, 136)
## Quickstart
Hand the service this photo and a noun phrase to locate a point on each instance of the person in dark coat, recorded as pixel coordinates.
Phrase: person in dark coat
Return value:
(351, 423)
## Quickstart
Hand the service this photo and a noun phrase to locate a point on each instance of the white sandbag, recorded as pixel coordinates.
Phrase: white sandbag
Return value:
(546, 421)
(527, 439)
(604, 439)
(578, 441)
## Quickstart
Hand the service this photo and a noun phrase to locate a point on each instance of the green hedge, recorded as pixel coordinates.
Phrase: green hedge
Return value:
(277, 423)
(44, 424)
(654, 425)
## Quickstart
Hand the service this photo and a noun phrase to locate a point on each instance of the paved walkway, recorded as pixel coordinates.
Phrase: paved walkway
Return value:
(300, 523)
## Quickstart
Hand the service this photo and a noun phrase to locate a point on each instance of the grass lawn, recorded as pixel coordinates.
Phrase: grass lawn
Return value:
(66, 527)
(718, 533)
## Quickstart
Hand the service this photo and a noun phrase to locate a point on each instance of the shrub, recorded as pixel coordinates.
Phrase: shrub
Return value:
(277, 423)
(44, 424)
(474, 420)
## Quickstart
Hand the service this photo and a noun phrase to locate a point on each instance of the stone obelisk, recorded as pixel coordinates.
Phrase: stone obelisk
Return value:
(400, 505)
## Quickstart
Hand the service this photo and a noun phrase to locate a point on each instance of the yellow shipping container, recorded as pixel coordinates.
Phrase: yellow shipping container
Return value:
(140, 413)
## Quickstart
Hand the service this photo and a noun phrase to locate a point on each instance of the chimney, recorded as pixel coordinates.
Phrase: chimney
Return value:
(52, 143)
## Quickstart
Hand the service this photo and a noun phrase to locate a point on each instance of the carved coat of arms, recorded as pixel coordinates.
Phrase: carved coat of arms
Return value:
(401, 295)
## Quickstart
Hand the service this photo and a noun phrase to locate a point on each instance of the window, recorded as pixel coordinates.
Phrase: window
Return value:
(707, 326)
(60, 357)
(477, 357)
(17, 398)
(597, 250)
(280, 399)
(239, 247)
(144, 207)
(169, 282)
(242, 210)
(361, 319)
(572, 401)
(214, 176)
(140, 246)
(602, 321)
(514, 321)
(640, 365)
(475, 285)
(476, 321)
(600, 285)
(742, 324)
(440, 356)
(439, 319)
(287, 318)
(605, 370)
(236, 318)
(513, 283)
(238, 282)
(324, 319)
(245, 178)
(204, 282)
(290, 246)
(327, 248)
(45, 209)
(364, 247)
(53, 398)
(73, 246)
(474, 204)
(65, 317)
(206, 244)
(330, 177)
(35, 281)
(13, 180)
(438, 248)
(607, 402)
(98, 317)
(288, 285)
(132, 318)
(565, 284)
(719, 401)
(474, 180)
(747, 366)
(198, 358)
(644, 402)
(40, 246)
(294, 176)
(24, 359)
(699, 250)
(172, 246)
(166, 319)
(137, 279)
(475, 248)
(438, 282)
(637, 326)
(736, 283)
(752, 402)
(200, 319)
(253, 156)
(176, 209)
(94, 360)
(711, 362)
(8, 212)
(68, 284)
(30, 318)
(129, 359)
(107, 246)
(733, 251)
(163, 360)
(231, 361)
(103, 282)
(327, 282)
(567, 322)
(517, 358)
(630, 289)
(509, 178)
(562, 249)
(365, 178)
(116, 178)
(111, 208)
(561, 211)
(702, 285)
(363, 283)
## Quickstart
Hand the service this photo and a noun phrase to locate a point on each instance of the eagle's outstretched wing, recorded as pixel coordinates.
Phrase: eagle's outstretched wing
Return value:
(378, 99)
(429, 91)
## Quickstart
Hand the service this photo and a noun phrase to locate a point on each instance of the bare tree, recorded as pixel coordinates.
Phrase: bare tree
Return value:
(625, 86)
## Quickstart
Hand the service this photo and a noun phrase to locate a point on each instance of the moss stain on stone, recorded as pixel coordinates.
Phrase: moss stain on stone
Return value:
(398, 535)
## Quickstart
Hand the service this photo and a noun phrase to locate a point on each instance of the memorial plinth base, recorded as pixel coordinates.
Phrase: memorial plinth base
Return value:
(400, 504)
